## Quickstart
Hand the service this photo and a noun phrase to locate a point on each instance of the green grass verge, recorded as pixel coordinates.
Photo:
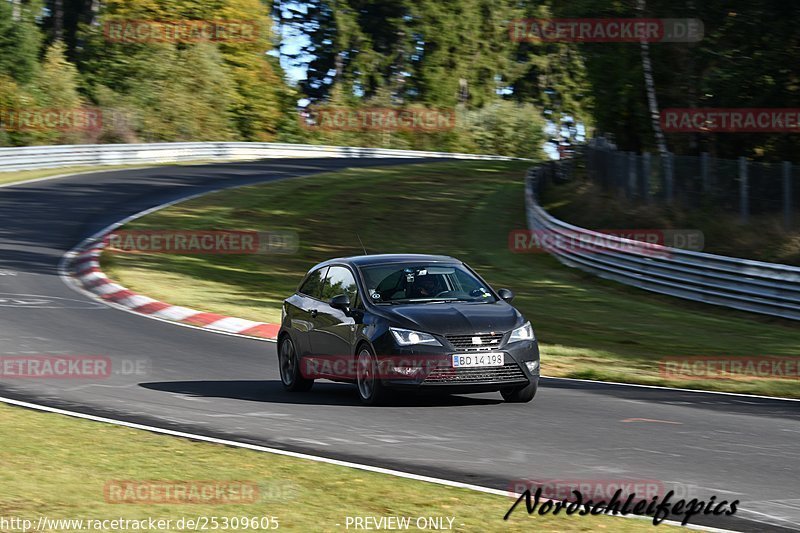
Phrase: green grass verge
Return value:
(50, 469)
(588, 328)
(7, 178)
(25, 175)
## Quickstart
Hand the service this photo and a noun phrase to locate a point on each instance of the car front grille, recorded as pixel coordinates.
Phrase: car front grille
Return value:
(508, 373)
(466, 343)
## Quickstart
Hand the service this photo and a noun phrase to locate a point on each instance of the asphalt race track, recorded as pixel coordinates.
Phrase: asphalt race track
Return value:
(218, 385)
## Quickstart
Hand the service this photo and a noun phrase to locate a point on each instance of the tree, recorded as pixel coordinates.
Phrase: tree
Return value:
(20, 40)
(435, 52)
(57, 81)
(189, 90)
(507, 128)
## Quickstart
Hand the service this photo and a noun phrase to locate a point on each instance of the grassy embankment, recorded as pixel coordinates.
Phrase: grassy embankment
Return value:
(51, 470)
(7, 178)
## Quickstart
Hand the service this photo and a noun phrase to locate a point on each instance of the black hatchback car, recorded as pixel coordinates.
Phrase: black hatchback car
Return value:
(406, 322)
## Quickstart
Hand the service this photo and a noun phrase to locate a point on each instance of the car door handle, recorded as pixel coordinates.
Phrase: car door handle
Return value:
(314, 313)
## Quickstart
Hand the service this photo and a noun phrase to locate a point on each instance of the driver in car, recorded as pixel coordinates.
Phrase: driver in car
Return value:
(424, 287)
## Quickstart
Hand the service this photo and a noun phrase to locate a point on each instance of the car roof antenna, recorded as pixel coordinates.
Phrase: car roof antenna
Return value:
(362, 244)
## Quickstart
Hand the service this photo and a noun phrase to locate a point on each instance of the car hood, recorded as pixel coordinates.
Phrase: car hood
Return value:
(457, 318)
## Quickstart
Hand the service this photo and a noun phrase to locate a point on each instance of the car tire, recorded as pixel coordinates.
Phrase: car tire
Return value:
(520, 394)
(371, 390)
(289, 366)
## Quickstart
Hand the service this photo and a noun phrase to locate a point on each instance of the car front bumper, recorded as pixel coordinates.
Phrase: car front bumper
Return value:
(437, 373)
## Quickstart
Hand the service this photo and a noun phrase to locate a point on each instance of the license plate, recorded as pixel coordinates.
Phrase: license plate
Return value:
(474, 360)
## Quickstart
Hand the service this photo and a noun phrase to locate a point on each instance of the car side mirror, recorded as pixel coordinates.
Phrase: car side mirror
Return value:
(506, 294)
(341, 302)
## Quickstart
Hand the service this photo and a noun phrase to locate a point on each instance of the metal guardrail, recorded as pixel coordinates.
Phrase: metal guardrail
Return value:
(755, 286)
(38, 157)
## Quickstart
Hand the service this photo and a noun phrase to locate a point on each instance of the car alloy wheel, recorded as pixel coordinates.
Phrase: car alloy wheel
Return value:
(365, 376)
(289, 367)
(288, 363)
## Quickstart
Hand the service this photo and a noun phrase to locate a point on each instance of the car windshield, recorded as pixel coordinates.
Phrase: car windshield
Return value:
(423, 283)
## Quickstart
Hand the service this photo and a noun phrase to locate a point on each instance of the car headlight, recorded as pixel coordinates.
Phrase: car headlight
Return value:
(522, 333)
(407, 337)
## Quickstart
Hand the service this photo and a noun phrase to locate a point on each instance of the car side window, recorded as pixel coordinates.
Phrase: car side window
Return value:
(339, 281)
(313, 284)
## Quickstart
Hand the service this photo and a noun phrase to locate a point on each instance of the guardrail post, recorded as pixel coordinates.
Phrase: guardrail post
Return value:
(630, 183)
(589, 162)
(602, 168)
(704, 172)
(667, 164)
(622, 180)
(645, 178)
(787, 195)
(744, 204)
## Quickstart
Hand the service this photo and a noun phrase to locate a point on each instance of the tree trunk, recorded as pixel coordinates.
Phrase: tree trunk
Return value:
(94, 11)
(58, 20)
(650, 86)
